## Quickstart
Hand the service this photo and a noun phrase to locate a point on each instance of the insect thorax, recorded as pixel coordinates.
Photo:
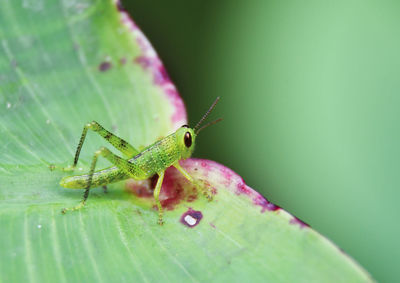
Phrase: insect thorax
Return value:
(157, 157)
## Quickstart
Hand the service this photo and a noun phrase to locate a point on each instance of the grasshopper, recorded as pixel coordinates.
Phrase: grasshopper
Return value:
(139, 165)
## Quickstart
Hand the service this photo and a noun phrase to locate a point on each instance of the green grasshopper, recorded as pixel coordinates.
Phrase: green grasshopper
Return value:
(139, 165)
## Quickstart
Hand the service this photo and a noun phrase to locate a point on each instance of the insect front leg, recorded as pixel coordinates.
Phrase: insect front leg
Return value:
(204, 188)
(156, 197)
(120, 144)
(114, 159)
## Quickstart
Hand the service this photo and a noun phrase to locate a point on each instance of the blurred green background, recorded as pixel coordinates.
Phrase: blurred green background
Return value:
(311, 106)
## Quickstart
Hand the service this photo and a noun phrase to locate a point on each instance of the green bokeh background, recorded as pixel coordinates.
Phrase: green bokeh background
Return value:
(311, 105)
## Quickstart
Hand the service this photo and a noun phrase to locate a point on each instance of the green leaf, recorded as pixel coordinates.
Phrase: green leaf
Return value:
(64, 63)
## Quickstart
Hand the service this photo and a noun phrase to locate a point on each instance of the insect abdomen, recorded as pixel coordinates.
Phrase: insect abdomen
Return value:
(100, 178)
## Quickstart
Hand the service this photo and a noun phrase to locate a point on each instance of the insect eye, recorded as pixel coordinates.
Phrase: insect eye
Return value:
(188, 139)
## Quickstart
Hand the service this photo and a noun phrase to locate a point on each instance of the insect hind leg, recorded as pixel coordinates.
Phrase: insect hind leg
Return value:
(116, 160)
(119, 143)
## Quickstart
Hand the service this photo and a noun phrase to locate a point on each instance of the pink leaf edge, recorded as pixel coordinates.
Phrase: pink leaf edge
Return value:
(150, 62)
(173, 191)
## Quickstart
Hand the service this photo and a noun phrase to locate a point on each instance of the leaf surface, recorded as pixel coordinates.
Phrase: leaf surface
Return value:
(65, 63)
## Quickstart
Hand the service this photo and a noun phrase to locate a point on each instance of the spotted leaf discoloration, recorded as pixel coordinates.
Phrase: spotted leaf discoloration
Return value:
(191, 218)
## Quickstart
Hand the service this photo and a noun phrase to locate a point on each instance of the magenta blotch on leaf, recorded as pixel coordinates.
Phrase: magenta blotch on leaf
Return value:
(105, 66)
(191, 218)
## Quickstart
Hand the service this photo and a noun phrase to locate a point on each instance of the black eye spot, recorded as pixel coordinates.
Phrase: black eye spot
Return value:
(185, 126)
(188, 139)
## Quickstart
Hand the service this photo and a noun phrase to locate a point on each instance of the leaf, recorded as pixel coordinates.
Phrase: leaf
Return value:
(64, 63)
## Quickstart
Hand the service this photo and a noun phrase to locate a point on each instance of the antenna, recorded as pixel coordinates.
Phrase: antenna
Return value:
(205, 115)
(209, 124)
